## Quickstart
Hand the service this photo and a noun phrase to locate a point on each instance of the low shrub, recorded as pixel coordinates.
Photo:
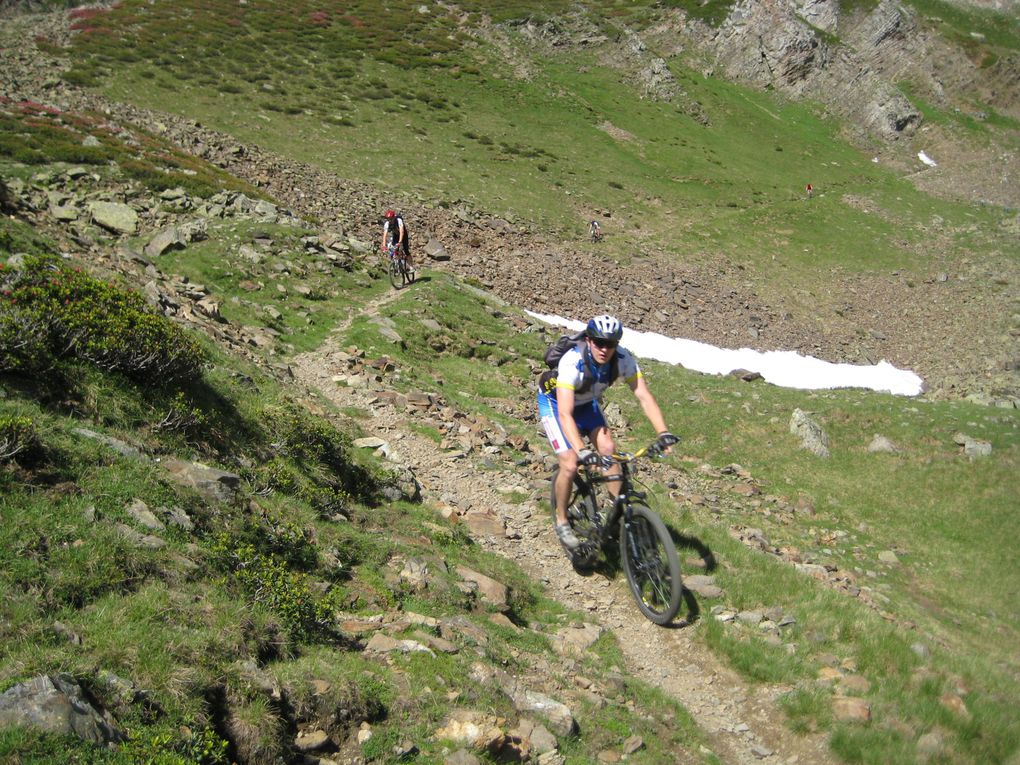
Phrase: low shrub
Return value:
(268, 582)
(181, 417)
(49, 312)
(16, 435)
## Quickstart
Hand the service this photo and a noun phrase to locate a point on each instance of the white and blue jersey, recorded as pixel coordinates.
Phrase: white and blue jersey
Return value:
(578, 372)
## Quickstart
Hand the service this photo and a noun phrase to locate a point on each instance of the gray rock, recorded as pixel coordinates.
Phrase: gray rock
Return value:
(56, 704)
(882, 444)
(114, 216)
(117, 445)
(370, 442)
(177, 517)
(381, 643)
(811, 435)
(921, 650)
(542, 740)
(64, 213)
(574, 641)
(214, 484)
(435, 250)
(166, 239)
(146, 541)
(138, 510)
(559, 716)
(703, 585)
(415, 574)
(491, 591)
(973, 447)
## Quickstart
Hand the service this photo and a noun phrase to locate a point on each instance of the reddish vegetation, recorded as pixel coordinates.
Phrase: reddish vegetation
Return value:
(355, 22)
(31, 107)
(86, 14)
(320, 18)
(82, 17)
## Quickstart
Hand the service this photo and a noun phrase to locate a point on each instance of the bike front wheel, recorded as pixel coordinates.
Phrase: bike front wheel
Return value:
(396, 273)
(651, 564)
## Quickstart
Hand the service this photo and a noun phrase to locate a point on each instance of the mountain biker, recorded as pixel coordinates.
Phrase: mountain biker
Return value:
(594, 231)
(395, 231)
(570, 410)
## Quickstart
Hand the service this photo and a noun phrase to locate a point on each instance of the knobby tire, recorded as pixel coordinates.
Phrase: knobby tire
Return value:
(396, 277)
(651, 564)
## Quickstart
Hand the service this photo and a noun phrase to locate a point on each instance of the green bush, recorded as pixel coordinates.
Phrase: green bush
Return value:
(181, 417)
(16, 435)
(49, 312)
(267, 581)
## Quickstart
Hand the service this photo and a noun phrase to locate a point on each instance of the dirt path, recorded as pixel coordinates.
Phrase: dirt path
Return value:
(743, 722)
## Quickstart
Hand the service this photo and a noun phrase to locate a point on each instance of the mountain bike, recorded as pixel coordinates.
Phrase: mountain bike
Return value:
(647, 552)
(396, 267)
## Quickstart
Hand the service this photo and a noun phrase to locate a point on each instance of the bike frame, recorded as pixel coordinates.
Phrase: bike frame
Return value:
(622, 501)
(396, 264)
(649, 556)
(395, 253)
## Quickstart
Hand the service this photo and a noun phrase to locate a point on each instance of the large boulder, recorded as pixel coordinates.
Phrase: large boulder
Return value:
(114, 216)
(56, 704)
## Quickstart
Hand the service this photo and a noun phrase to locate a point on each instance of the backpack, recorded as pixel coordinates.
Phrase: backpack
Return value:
(553, 354)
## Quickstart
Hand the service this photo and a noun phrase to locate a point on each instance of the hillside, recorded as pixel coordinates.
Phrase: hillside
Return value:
(321, 534)
(869, 270)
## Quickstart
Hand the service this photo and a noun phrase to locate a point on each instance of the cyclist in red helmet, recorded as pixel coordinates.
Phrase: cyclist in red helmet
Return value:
(394, 230)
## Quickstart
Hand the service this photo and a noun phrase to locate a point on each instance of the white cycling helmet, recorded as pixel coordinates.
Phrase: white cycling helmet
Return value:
(605, 327)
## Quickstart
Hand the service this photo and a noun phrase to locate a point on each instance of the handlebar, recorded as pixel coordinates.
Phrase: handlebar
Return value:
(653, 449)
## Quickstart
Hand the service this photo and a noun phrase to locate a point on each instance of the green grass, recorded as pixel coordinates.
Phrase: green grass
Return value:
(253, 293)
(942, 513)
(190, 632)
(523, 148)
(369, 103)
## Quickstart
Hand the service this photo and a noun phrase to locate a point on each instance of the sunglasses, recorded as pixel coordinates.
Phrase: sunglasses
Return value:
(604, 343)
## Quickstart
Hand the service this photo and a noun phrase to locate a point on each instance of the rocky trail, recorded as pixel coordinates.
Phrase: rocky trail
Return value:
(743, 722)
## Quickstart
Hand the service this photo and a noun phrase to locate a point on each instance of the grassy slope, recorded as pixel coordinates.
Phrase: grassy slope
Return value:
(943, 514)
(460, 125)
(951, 583)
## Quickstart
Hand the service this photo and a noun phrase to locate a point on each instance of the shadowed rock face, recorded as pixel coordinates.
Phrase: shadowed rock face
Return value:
(786, 45)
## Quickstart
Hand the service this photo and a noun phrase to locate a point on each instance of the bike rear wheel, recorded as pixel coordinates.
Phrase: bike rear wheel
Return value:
(583, 516)
(651, 565)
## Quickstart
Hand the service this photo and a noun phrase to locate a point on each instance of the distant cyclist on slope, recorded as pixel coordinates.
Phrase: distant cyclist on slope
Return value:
(395, 231)
(568, 405)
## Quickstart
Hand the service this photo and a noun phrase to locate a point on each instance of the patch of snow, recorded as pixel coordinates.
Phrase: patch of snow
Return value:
(786, 369)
